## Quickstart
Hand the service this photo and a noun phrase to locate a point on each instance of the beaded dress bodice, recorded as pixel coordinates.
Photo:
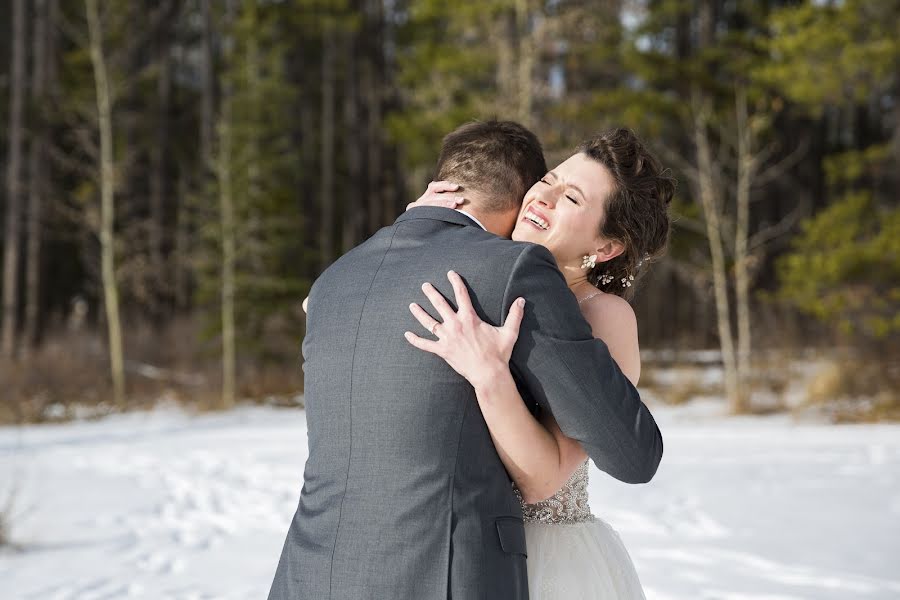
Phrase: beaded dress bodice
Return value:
(568, 505)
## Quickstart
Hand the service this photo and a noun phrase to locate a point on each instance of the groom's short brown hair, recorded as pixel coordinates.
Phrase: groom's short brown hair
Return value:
(499, 159)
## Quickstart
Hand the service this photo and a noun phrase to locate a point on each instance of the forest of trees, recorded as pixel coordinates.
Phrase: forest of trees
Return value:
(177, 172)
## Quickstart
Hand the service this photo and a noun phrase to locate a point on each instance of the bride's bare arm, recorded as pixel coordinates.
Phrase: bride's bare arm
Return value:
(612, 320)
(547, 464)
(535, 458)
(537, 455)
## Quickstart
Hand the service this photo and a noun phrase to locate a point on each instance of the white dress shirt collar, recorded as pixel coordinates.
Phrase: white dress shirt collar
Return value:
(477, 222)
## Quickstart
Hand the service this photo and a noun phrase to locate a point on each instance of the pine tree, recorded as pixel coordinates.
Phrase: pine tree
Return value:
(844, 267)
(256, 242)
(14, 187)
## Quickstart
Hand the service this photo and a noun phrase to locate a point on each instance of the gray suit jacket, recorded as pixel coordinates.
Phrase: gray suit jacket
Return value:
(404, 495)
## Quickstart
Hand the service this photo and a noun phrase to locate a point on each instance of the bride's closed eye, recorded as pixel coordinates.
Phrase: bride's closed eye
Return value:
(571, 199)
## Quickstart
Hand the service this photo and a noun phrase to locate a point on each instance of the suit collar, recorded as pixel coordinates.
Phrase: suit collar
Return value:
(437, 213)
(477, 222)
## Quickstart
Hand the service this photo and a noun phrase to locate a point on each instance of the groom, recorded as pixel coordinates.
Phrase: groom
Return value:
(404, 495)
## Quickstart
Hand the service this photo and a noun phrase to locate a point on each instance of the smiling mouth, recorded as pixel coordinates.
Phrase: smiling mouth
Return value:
(536, 220)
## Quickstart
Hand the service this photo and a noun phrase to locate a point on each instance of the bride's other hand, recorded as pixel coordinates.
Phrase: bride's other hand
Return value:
(474, 349)
(439, 193)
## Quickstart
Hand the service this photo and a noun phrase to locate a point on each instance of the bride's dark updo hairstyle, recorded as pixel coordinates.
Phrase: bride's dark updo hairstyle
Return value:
(636, 211)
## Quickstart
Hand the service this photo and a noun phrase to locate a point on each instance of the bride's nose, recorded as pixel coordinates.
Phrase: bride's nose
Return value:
(548, 198)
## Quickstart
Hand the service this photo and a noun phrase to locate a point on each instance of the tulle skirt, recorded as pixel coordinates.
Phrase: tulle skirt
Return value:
(579, 561)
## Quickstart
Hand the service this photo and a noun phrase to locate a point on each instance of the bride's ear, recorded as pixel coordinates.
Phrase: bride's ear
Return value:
(608, 250)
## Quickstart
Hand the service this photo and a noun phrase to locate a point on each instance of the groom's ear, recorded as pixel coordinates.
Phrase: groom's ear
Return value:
(608, 250)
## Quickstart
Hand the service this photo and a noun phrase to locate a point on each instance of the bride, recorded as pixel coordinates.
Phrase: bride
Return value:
(603, 214)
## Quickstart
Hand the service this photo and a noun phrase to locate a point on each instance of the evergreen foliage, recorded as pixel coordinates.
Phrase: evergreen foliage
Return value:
(781, 121)
(844, 267)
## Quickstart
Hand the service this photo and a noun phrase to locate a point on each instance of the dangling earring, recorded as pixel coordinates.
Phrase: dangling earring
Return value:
(589, 262)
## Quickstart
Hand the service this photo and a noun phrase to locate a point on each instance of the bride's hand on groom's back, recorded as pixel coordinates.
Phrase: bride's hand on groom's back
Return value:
(439, 193)
(474, 349)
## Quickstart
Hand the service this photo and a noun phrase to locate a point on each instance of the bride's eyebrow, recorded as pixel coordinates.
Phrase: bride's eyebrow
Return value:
(577, 189)
(570, 184)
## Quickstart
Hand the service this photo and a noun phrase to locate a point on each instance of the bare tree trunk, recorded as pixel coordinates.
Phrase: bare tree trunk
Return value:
(373, 189)
(326, 197)
(181, 244)
(507, 97)
(158, 187)
(373, 84)
(710, 203)
(254, 187)
(107, 201)
(37, 177)
(208, 98)
(393, 183)
(208, 165)
(745, 168)
(14, 182)
(226, 215)
(526, 61)
(353, 200)
(227, 224)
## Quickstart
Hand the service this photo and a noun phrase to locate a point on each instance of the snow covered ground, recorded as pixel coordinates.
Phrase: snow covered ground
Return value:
(165, 505)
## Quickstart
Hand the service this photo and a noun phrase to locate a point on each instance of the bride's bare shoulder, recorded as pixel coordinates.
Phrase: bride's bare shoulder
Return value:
(613, 320)
(603, 308)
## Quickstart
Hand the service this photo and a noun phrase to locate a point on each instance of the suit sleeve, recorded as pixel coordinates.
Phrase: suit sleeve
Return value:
(571, 373)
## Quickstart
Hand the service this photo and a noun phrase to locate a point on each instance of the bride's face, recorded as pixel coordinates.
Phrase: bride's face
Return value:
(564, 210)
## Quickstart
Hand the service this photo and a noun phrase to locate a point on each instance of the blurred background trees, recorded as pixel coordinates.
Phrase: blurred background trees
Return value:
(177, 173)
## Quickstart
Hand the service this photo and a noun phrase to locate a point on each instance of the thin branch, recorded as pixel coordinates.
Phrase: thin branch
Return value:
(778, 169)
(766, 235)
(758, 159)
(69, 162)
(82, 133)
(86, 142)
(161, 374)
(679, 161)
(149, 26)
(689, 223)
(73, 113)
(120, 88)
(71, 215)
(69, 29)
(690, 273)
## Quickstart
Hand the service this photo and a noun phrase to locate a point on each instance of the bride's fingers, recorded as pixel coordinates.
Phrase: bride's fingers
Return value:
(443, 186)
(444, 200)
(424, 319)
(462, 294)
(426, 345)
(440, 304)
(514, 318)
(448, 200)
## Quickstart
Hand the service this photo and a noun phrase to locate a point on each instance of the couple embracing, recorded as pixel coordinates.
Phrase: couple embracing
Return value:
(461, 367)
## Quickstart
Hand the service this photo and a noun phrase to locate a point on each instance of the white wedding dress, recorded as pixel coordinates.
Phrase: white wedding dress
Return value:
(573, 555)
